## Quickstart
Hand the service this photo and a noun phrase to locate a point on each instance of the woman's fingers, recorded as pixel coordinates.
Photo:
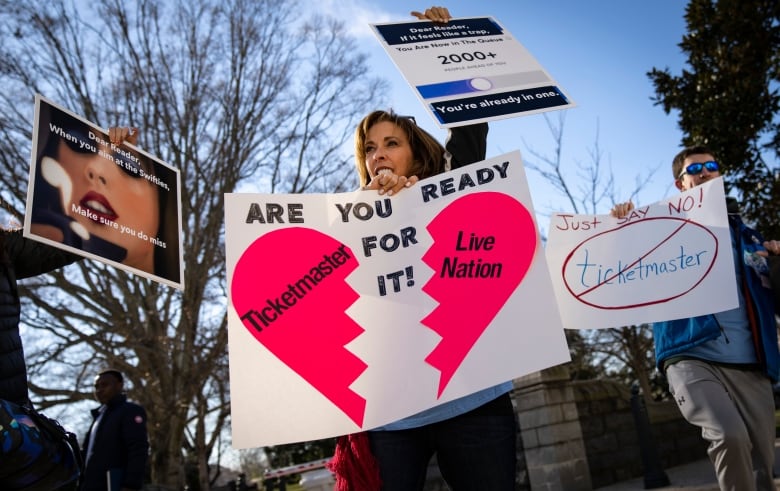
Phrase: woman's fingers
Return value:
(390, 184)
(120, 134)
(435, 14)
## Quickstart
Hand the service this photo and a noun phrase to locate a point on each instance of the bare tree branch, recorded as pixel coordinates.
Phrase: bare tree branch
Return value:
(237, 96)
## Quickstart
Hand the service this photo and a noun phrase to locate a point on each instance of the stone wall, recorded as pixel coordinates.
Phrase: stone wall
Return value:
(578, 436)
(609, 432)
(679, 442)
(611, 438)
(551, 431)
(583, 435)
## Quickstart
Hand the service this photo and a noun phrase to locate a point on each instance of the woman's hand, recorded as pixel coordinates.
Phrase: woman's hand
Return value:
(620, 210)
(389, 183)
(120, 134)
(435, 14)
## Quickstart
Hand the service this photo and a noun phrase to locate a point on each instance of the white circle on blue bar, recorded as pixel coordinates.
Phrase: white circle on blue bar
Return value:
(481, 83)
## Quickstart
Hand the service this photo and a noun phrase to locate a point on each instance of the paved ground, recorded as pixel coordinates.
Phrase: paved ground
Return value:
(696, 476)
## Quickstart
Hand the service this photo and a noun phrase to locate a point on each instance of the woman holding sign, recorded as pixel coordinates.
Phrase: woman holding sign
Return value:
(473, 437)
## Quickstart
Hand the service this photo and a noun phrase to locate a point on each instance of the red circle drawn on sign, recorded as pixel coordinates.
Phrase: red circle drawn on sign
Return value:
(668, 296)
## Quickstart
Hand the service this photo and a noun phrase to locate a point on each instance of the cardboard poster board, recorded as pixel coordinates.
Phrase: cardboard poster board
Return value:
(349, 311)
(470, 70)
(115, 204)
(669, 260)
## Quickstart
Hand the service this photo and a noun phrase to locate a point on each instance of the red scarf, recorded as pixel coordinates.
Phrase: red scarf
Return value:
(353, 463)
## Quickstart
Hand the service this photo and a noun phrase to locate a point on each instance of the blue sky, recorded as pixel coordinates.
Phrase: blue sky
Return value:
(599, 52)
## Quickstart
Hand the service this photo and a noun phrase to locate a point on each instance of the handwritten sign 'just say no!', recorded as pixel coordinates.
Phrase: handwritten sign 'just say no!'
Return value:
(668, 260)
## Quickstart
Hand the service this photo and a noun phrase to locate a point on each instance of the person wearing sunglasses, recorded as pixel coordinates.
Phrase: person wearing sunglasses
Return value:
(102, 197)
(720, 367)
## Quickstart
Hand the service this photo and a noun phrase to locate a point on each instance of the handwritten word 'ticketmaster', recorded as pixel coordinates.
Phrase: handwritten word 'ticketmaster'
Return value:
(594, 274)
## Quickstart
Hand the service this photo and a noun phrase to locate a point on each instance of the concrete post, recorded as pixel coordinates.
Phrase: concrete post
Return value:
(654, 477)
(551, 432)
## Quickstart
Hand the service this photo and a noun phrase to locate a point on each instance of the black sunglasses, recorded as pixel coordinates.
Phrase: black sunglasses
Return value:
(697, 167)
(131, 167)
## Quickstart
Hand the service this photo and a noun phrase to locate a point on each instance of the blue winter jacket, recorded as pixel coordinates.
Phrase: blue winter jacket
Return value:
(677, 336)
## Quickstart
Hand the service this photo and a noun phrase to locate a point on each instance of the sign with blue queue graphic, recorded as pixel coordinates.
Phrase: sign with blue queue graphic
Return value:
(470, 70)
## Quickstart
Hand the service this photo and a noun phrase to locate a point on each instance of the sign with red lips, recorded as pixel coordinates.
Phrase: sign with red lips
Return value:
(113, 203)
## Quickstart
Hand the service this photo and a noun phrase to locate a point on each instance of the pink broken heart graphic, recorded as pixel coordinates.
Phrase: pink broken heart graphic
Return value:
(484, 244)
(290, 291)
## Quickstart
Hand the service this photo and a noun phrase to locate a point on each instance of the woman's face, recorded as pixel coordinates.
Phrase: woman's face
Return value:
(112, 201)
(388, 149)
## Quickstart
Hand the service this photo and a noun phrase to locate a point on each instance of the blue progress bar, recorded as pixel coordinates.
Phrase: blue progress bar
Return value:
(446, 88)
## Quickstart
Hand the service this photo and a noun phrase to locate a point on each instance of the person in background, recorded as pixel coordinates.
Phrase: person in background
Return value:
(473, 437)
(116, 446)
(721, 366)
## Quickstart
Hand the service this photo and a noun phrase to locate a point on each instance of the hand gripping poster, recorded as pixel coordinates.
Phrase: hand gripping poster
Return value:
(668, 260)
(349, 311)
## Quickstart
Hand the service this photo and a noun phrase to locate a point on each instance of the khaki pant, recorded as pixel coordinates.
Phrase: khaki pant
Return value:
(736, 413)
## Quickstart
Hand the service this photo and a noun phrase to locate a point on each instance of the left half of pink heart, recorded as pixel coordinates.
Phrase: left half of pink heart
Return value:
(290, 292)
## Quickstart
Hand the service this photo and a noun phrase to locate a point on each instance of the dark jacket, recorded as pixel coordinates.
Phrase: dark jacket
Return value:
(121, 446)
(19, 258)
(467, 144)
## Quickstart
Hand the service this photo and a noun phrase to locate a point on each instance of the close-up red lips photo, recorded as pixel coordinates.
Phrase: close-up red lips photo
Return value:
(99, 205)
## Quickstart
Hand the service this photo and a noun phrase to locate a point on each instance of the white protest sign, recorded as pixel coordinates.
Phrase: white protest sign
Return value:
(470, 70)
(669, 260)
(113, 203)
(349, 311)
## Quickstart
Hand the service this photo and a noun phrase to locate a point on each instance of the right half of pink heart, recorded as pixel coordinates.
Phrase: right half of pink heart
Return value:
(483, 246)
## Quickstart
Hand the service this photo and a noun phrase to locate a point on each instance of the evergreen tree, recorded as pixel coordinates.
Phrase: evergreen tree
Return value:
(727, 98)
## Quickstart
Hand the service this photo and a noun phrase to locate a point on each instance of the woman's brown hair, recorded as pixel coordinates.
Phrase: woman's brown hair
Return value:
(427, 152)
